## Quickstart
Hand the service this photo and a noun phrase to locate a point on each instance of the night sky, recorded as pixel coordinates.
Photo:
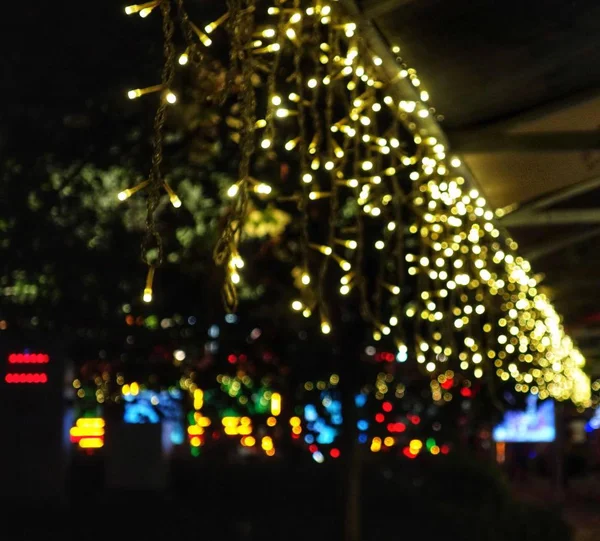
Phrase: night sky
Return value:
(59, 56)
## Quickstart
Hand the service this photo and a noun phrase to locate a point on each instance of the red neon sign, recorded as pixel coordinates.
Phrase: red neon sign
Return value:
(26, 378)
(28, 358)
(36, 360)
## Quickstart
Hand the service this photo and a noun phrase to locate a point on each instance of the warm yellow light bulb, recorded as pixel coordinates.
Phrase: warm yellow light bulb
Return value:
(215, 24)
(126, 194)
(326, 250)
(183, 59)
(291, 34)
(237, 262)
(263, 189)
(137, 92)
(170, 97)
(206, 41)
(147, 296)
(139, 8)
(291, 145)
(175, 201)
(346, 279)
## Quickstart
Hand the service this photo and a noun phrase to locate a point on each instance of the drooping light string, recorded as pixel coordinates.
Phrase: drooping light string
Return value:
(433, 271)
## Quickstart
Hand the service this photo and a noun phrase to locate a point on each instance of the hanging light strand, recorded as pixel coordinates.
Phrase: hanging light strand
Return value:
(152, 239)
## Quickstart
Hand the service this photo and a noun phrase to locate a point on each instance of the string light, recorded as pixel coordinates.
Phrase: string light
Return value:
(183, 59)
(136, 93)
(204, 39)
(126, 194)
(436, 234)
(175, 201)
(147, 297)
(143, 9)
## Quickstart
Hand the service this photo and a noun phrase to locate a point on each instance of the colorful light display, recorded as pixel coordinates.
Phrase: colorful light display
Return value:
(154, 407)
(535, 424)
(594, 422)
(88, 433)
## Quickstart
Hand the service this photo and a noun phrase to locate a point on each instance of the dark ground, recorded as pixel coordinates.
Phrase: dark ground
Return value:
(445, 499)
(581, 507)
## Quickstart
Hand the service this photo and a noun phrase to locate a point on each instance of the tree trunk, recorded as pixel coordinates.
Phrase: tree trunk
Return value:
(560, 479)
(350, 343)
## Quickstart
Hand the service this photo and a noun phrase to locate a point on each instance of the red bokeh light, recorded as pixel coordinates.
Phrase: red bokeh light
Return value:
(232, 358)
(466, 392)
(445, 449)
(406, 451)
(448, 383)
(28, 358)
(384, 356)
(396, 427)
(386, 406)
(379, 418)
(26, 378)
(335, 453)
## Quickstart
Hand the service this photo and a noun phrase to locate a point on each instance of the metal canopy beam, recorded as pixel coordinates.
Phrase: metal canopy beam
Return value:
(530, 215)
(384, 7)
(552, 217)
(553, 247)
(565, 194)
(485, 141)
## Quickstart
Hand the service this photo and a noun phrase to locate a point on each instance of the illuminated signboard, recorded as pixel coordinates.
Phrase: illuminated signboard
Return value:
(144, 406)
(535, 424)
(88, 432)
(25, 368)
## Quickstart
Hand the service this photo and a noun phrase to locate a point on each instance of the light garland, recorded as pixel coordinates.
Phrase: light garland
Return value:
(450, 288)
